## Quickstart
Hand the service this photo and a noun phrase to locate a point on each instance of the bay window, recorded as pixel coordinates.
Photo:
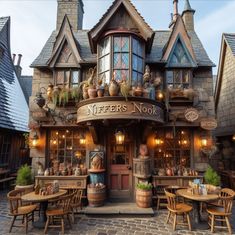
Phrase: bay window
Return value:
(121, 56)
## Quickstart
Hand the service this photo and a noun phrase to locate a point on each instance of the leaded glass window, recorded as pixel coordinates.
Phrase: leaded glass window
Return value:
(127, 63)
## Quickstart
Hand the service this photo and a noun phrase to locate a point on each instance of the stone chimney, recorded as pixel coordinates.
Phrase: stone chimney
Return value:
(188, 16)
(73, 9)
(18, 68)
(175, 14)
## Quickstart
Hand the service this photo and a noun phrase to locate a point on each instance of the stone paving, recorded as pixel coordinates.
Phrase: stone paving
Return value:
(107, 225)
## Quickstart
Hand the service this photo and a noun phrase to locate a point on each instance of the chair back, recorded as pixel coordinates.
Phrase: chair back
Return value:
(171, 200)
(14, 198)
(65, 202)
(226, 199)
(159, 189)
(77, 197)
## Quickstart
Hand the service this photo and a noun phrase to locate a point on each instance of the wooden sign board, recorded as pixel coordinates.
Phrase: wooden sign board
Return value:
(120, 110)
(209, 124)
(191, 114)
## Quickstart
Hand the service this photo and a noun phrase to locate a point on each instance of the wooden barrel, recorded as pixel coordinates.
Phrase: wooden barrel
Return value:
(96, 196)
(143, 198)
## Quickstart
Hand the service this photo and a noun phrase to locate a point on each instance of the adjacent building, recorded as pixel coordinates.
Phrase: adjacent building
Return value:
(110, 91)
(14, 111)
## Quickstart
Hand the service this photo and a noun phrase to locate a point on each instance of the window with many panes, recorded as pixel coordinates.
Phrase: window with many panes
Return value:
(123, 56)
(67, 77)
(178, 79)
(173, 149)
(66, 147)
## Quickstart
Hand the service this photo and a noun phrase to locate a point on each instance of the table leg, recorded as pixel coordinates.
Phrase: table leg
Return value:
(42, 219)
(198, 223)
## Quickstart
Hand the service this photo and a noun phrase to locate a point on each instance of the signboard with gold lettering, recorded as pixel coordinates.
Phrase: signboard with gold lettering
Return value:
(113, 109)
(208, 124)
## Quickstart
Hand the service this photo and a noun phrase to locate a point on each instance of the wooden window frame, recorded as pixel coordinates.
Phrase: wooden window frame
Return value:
(55, 151)
(161, 151)
(179, 85)
(69, 84)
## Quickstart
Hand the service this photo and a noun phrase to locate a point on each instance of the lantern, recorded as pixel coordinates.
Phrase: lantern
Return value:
(35, 140)
(82, 140)
(120, 137)
(204, 142)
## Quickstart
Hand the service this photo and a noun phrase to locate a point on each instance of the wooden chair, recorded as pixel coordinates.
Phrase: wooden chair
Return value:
(161, 196)
(222, 210)
(59, 213)
(76, 203)
(177, 209)
(19, 210)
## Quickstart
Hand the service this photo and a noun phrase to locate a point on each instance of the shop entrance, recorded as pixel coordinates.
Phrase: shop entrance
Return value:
(120, 157)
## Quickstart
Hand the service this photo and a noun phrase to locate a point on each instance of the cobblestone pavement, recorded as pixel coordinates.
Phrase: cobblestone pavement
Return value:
(107, 225)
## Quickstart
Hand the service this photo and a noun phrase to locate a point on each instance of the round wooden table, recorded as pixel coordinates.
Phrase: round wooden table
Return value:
(196, 199)
(43, 200)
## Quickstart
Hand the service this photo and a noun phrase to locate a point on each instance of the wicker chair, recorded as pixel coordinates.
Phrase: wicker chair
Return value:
(177, 209)
(17, 209)
(222, 210)
(59, 213)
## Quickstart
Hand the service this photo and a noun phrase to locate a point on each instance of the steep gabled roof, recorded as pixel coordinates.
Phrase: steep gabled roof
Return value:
(179, 32)
(228, 41)
(14, 109)
(146, 32)
(65, 35)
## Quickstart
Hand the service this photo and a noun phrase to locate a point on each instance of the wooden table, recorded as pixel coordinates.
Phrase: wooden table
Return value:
(43, 200)
(196, 199)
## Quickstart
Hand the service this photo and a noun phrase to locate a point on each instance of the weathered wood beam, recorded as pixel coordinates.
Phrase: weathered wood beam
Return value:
(94, 134)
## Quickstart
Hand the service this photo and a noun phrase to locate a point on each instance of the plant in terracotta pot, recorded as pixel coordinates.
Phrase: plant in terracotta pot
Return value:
(125, 88)
(144, 194)
(138, 90)
(113, 86)
(24, 178)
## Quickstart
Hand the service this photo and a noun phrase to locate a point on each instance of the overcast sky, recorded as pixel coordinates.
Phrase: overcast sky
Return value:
(32, 22)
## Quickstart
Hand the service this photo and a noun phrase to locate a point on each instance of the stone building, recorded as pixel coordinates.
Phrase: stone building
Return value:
(14, 111)
(225, 105)
(165, 98)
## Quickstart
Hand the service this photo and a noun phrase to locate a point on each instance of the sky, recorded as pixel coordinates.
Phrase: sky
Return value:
(32, 22)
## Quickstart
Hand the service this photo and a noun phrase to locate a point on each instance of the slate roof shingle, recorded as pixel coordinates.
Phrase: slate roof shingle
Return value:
(14, 111)
(26, 84)
(159, 42)
(230, 38)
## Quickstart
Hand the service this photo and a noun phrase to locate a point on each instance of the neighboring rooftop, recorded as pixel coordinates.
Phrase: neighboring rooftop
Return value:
(14, 109)
(26, 84)
(230, 38)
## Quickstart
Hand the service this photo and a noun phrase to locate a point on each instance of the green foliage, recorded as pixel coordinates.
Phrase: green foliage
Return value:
(211, 177)
(64, 96)
(144, 186)
(24, 176)
(76, 93)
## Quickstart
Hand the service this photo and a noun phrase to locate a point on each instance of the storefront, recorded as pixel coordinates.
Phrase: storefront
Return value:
(129, 109)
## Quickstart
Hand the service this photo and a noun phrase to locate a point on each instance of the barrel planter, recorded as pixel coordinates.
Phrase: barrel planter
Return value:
(143, 198)
(96, 196)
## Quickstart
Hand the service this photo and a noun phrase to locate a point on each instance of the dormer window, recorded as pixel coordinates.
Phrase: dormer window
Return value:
(123, 56)
(67, 77)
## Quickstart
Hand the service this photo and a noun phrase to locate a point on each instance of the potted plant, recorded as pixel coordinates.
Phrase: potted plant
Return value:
(211, 177)
(144, 194)
(24, 179)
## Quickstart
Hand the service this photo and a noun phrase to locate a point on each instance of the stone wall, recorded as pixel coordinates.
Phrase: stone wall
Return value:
(226, 102)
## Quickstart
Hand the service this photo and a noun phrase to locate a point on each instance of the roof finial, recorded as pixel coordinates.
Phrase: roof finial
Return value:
(187, 6)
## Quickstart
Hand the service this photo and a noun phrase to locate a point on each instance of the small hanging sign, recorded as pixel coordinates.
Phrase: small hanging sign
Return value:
(191, 114)
(208, 124)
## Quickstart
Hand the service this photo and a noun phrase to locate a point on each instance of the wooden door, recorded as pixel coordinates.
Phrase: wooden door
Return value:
(120, 171)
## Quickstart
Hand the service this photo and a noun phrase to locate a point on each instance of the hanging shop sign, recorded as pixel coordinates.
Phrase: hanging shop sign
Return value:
(191, 114)
(120, 110)
(208, 124)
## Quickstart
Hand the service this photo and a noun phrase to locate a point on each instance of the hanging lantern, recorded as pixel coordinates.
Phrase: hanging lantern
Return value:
(233, 138)
(204, 142)
(120, 137)
(82, 140)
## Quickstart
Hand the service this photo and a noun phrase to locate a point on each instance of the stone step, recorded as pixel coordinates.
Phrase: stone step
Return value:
(118, 209)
